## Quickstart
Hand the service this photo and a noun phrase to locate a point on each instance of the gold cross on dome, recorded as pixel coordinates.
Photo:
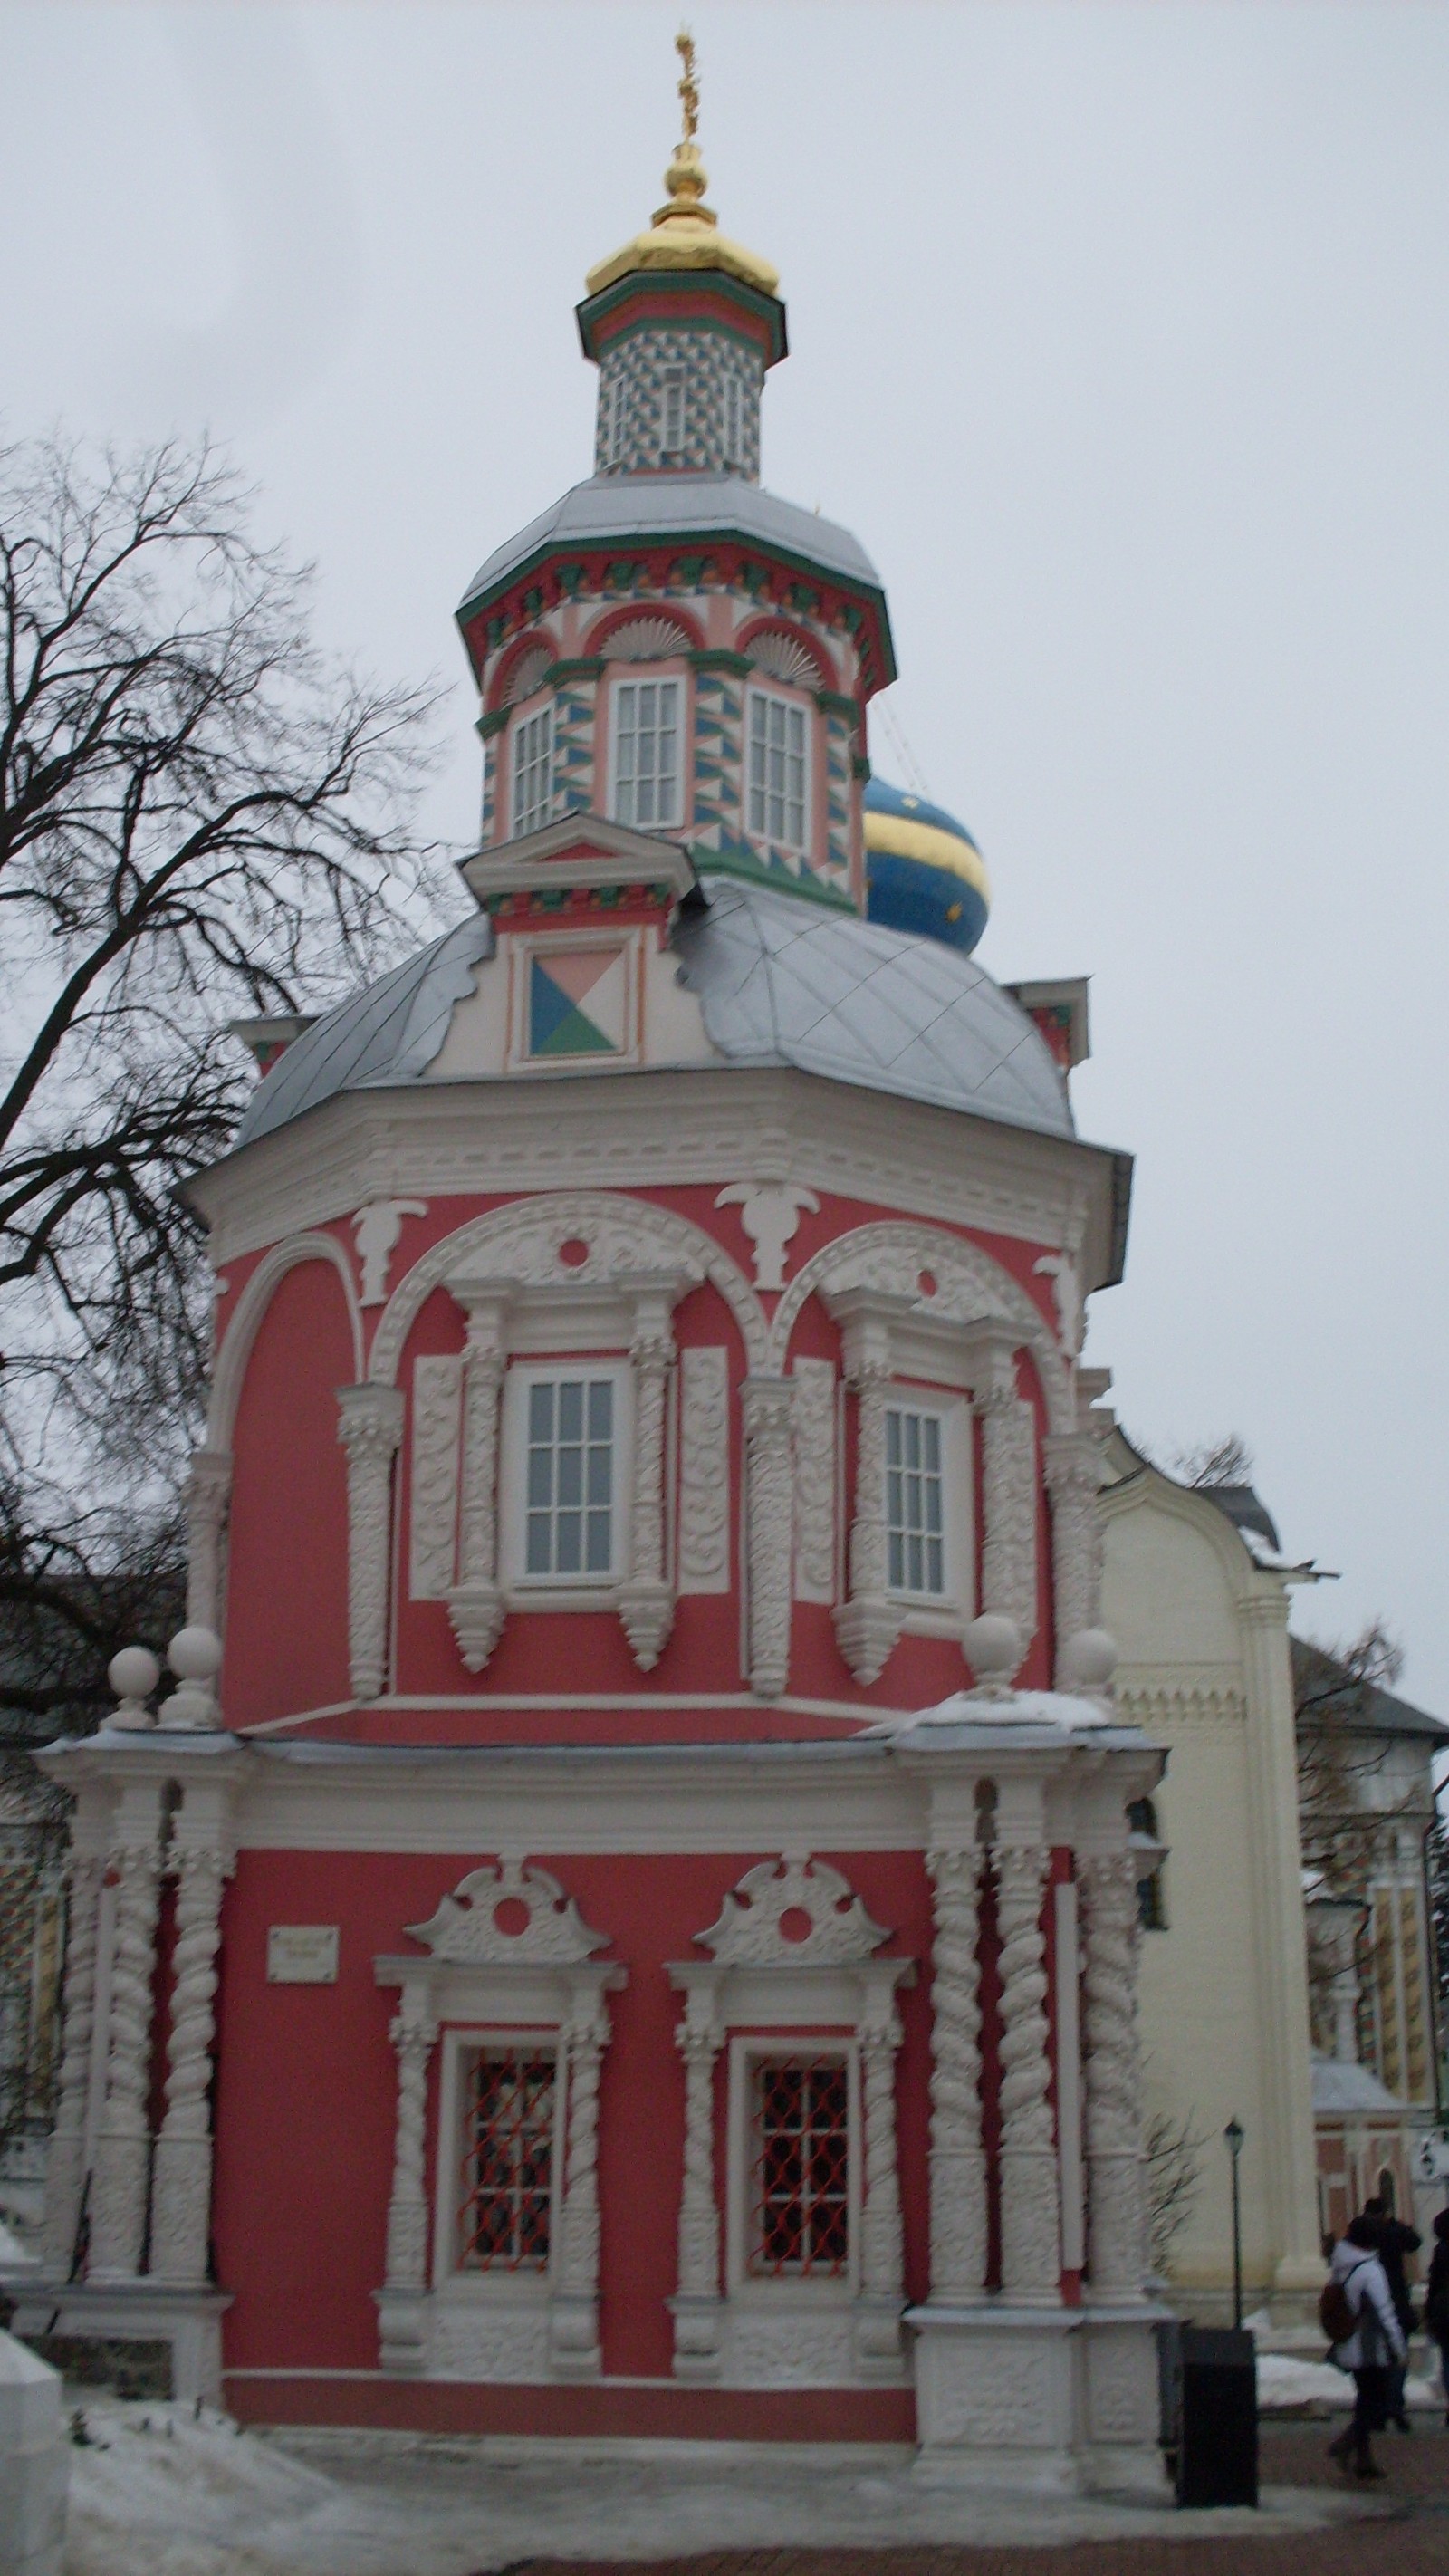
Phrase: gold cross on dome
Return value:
(688, 86)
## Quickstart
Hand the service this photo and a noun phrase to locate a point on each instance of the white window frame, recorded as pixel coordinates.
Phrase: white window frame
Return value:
(746, 2050)
(585, 1590)
(899, 1412)
(460, 2041)
(647, 679)
(942, 1613)
(790, 701)
(673, 397)
(530, 714)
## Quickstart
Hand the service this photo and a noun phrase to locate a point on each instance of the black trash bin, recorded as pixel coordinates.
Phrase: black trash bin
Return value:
(1217, 2451)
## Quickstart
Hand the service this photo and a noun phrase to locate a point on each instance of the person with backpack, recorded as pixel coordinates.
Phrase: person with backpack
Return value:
(1395, 2241)
(1356, 2312)
(1436, 2298)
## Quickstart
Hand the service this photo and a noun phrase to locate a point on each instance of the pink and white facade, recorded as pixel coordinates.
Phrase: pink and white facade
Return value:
(613, 1963)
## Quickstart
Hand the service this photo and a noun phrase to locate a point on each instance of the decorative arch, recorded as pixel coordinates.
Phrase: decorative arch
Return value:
(622, 1238)
(969, 1285)
(786, 652)
(502, 692)
(241, 1333)
(609, 632)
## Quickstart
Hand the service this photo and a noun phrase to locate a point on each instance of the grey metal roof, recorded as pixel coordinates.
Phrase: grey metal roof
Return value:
(636, 507)
(780, 980)
(1326, 1691)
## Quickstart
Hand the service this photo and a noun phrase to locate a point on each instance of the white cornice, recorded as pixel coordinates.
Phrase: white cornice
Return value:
(661, 1129)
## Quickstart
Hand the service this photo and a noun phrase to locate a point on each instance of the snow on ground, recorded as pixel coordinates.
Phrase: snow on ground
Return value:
(1285, 2379)
(160, 2491)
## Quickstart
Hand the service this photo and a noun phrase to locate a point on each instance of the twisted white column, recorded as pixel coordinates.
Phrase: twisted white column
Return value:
(868, 1624)
(769, 1507)
(123, 2141)
(646, 1602)
(65, 2167)
(573, 2309)
(407, 2209)
(1073, 1466)
(881, 2248)
(475, 1605)
(370, 1427)
(181, 2194)
(1116, 2235)
(1031, 2259)
(697, 2305)
(957, 2159)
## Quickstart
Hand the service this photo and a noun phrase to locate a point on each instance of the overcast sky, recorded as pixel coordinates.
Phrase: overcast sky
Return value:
(1119, 339)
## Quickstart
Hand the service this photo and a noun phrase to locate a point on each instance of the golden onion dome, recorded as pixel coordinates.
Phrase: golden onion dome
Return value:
(685, 233)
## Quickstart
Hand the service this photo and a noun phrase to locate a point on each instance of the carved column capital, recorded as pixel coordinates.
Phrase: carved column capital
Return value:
(208, 1499)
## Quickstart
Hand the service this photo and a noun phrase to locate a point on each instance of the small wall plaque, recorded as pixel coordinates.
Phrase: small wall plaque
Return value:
(302, 1954)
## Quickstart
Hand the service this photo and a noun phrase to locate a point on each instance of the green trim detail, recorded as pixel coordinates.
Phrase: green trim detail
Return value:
(587, 667)
(491, 723)
(859, 765)
(711, 281)
(834, 702)
(717, 657)
(742, 863)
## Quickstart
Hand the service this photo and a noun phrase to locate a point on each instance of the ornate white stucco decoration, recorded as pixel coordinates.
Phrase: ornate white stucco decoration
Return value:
(437, 1424)
(770, 1214)
(609, 1241)
(466, 1926)
(377, 1228)
(945, 1279)
(704, 1469)
(1061, 1270)
(815, 1385)
(749, 1932)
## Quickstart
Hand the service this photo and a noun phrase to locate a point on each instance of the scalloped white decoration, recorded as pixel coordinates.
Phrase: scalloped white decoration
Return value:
(644, 639)
(785, 659)
(466, 1927)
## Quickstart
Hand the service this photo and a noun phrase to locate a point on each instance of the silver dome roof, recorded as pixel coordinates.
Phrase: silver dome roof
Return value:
(781, 980)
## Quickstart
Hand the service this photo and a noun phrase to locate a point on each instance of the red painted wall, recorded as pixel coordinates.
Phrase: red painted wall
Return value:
(286, 1623)
(307, 2091)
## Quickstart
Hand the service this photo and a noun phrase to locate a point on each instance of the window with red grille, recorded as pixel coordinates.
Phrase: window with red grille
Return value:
(800, 2169)
(507, 2176)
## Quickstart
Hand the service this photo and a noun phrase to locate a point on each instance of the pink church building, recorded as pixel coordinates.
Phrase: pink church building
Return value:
(638, 1937)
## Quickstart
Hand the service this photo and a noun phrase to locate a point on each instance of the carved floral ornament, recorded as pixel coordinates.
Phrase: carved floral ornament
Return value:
(793, 1912)
(509, 1912)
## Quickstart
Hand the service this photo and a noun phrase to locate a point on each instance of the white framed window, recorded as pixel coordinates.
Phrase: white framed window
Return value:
(564, 1476)
(570, 1505)
(734, 416)
(532, 770)
(671, 441)
(506, 2132)
(646, 748)
(778, 795)
(915, 1502)
(794, 2168)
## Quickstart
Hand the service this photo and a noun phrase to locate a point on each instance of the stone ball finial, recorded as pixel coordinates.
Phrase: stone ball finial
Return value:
(992, 1647)
(133, 1675)
(194, 1656)
(1089, 1659)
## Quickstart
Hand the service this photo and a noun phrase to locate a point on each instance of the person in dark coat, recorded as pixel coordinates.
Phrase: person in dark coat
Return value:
(1395, 2241)
(1436, 2298)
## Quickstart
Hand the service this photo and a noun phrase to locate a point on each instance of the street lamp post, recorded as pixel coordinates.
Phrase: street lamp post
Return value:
(1233, 2135)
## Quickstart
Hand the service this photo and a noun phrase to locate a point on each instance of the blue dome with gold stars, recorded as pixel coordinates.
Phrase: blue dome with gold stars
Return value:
(923, 871)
